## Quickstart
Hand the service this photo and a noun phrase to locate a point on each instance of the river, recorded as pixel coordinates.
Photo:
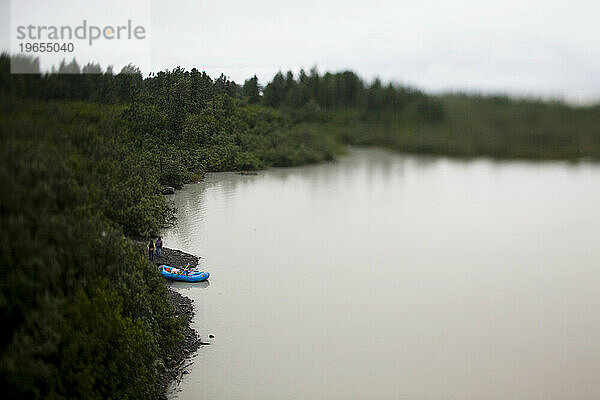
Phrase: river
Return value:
(388, 276)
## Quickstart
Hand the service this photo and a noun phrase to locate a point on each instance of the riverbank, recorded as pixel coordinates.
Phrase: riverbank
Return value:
(176, 258)
(175, 366)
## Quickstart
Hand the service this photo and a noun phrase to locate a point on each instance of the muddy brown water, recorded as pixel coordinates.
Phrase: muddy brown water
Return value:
(389, 276)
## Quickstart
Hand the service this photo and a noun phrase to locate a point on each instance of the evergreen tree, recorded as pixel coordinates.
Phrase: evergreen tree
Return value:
(251, 90)
(274, 93)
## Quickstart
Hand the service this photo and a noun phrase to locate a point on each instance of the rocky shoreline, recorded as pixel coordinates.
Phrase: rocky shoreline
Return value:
(175, 367)
(176, 258)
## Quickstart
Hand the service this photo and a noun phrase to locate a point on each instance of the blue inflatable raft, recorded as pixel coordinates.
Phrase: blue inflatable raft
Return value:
(183, 275)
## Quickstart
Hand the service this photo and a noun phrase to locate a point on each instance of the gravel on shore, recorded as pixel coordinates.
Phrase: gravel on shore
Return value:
(176, 258)
(175, 367)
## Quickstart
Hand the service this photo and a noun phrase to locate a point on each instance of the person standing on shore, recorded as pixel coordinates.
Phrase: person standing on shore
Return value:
(159, 245)
(151, 250)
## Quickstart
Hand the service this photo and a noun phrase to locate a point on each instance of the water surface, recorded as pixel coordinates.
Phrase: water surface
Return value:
(389, 276)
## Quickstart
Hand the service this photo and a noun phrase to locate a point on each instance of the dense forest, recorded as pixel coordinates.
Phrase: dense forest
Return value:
(84, 158)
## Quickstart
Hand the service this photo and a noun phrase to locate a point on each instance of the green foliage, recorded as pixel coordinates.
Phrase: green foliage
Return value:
(251, 90)
(93, 328)
(84, 315)
(83, 159)
(345, 90)
(480, 126)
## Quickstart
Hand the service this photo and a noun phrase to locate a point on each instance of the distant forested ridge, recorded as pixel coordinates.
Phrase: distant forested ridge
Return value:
(84, 157)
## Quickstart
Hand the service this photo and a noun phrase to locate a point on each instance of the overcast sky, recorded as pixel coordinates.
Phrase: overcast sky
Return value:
(524, 47)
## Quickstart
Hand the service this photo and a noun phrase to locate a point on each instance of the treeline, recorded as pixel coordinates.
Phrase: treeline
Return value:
(188, 123)
(195, 91)
(229, 122)
(71, 82)
(334, 91)
(490, 126)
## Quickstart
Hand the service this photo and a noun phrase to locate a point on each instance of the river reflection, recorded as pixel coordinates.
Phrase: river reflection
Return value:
(183, 286)
(389, 276)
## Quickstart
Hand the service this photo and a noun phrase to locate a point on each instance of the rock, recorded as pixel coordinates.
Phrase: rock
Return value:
(175, 366)
(168, 190)
(176, 258)
(171, 368)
